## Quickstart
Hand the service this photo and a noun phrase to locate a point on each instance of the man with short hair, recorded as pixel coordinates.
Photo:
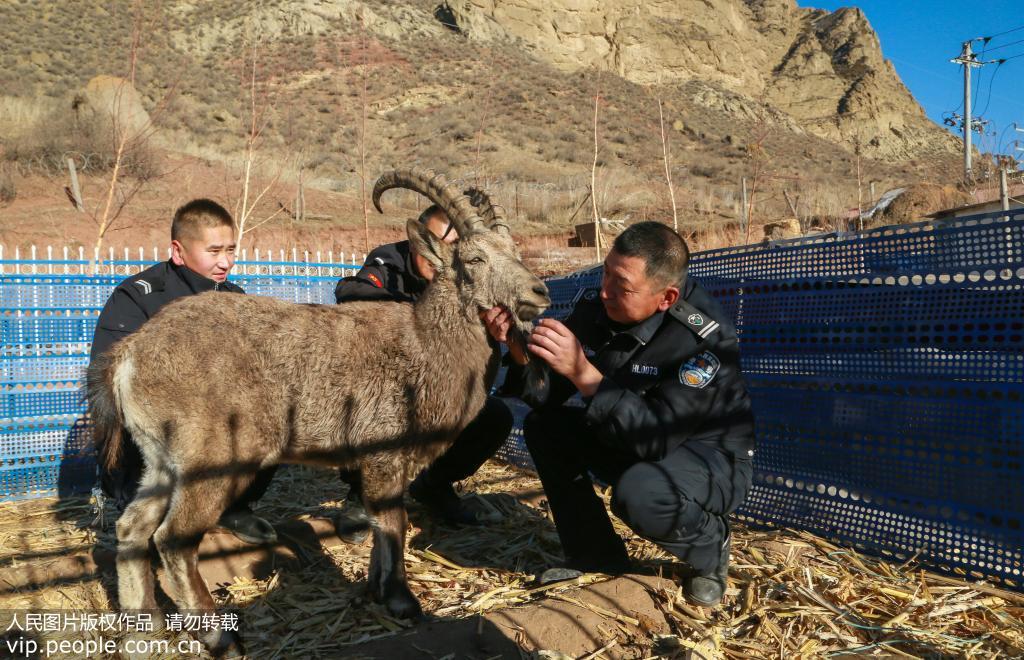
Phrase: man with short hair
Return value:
(667, 420)
(396, 272)
(202, 255)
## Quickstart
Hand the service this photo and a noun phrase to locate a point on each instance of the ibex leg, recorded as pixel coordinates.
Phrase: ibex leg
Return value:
(135, 527)
(383, 490)
(196, 508)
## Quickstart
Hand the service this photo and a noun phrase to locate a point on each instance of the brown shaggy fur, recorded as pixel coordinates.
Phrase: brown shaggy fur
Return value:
(217, 386)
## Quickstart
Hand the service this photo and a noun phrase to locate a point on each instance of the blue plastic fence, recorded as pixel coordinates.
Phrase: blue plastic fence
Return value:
(48, 312)
(886, 370)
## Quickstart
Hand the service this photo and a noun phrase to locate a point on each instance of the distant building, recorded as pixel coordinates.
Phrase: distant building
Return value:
(585, 233)
(986, 205)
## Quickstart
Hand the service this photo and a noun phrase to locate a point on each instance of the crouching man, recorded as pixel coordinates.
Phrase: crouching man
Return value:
(202, 255)
(667, 420)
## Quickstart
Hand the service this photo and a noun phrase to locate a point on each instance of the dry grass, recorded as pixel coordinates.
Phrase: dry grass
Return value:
(791, 594)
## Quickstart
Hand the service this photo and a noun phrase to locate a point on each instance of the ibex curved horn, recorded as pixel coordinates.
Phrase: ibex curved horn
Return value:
(493, 214)
(436, 188)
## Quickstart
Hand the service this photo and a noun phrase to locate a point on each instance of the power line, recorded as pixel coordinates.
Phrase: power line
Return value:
(977, 89)
(981, 74)
(991, 78)
(999, 144)
(1012, 43)
(1016, 29)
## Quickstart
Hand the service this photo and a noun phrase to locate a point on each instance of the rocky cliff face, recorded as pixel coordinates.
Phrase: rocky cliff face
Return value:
(824, 70)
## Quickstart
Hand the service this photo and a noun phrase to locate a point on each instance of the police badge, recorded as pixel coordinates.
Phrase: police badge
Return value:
(699, 370)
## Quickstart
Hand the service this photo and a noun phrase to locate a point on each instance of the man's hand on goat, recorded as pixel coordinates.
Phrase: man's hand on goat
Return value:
(554, 343)
(498, 322)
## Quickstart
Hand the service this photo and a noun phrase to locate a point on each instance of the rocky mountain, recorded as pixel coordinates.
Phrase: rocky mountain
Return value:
(497, 92)
(825, 70)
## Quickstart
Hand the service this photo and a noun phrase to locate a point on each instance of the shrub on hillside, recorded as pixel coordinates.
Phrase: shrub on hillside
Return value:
(705, 171)
(8, 192)
(72, 129)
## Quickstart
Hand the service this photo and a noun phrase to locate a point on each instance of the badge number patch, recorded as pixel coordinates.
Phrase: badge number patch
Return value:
(699, 370)
(645, 369)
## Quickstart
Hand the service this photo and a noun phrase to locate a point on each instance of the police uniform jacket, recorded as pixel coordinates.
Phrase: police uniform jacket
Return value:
(388, 274)
(670, 379)
(138, 298)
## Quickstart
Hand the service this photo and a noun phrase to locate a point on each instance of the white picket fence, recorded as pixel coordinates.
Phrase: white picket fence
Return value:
(50, 260)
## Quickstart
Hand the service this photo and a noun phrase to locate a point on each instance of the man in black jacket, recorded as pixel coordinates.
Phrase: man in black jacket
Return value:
(666, 419)
(396, 272)
(202, 255)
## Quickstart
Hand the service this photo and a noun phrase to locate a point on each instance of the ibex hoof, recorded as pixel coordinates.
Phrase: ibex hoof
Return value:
(404, 607)
(352, 525)
(224, 644)
(402, 604)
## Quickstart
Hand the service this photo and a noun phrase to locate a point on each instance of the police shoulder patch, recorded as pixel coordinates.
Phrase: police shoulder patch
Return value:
(697, 321)
(699, 370)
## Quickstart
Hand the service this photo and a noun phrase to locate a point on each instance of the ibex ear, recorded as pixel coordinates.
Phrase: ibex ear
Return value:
(437, 253)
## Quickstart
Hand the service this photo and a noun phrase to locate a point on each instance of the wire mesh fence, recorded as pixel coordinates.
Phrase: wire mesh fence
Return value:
(886, 370)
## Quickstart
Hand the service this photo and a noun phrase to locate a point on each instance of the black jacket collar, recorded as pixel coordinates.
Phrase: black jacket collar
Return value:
(193, 280)
(642, 331)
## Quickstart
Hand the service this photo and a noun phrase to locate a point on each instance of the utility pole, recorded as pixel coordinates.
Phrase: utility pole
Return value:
(968, 60)
(1004, 195)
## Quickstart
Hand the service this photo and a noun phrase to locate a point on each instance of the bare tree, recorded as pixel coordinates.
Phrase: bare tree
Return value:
(484, 116)
(363, 102)
(668, 167)
(130, 135)
(593, 184)
(253, 162)
(857, 151)
(759, 158)
(793, 208)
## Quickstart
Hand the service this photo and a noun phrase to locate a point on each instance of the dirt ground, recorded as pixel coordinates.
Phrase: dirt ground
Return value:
(791, 594)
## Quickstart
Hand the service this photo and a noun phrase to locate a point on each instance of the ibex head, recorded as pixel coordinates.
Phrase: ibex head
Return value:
(484, 264)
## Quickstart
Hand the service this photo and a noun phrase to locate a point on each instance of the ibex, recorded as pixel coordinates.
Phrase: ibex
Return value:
(217, 386)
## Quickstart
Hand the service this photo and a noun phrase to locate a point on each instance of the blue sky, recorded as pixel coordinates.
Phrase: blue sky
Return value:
(921, 36)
